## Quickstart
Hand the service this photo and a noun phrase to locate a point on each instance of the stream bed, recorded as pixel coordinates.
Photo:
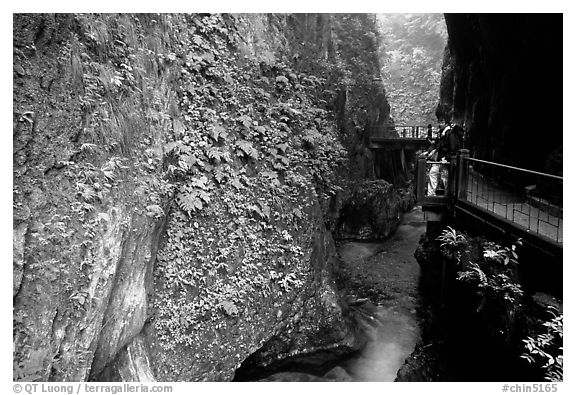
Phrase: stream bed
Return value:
(380, 283)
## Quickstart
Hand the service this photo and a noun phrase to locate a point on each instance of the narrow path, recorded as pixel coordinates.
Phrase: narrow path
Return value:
(380, 280)
(534, 214)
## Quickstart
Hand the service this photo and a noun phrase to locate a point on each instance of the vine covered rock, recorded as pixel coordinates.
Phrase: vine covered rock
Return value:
(372, 212)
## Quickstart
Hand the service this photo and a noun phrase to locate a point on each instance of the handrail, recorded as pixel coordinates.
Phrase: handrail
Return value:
(515, 168)
(431, 162)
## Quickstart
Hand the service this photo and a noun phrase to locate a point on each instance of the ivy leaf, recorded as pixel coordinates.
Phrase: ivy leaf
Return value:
(272, 176)
(218, 155)
(218, 132)
(282, 81)
(265, 210)
(204, 196)
(103, 216)
(155, 211)
(229, 307)
(236, 183)
(190, 160)
(282, 147)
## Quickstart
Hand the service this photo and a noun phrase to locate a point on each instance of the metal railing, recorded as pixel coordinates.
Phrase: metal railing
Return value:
(527, 198)
(410, 131)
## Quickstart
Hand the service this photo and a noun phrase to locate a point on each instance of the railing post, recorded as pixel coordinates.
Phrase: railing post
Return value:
(462, 179)
(420, 180)
(451, 188)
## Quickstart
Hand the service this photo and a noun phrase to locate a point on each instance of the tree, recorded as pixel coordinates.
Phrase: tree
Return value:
(410, 53)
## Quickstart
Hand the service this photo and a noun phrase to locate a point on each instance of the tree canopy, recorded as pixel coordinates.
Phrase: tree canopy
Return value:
(411, 51)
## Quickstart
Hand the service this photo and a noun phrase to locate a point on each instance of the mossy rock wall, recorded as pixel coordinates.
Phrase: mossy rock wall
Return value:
(372, 211)
(169, 195)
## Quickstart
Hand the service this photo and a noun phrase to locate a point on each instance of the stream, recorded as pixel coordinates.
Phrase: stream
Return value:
(382, 287)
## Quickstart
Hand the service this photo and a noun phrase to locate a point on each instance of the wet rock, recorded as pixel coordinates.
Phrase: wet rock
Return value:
(372, 212)
(319, 325)
(423, 365)
(544, 300)
(337, 374)
(19, 70)
(487, 63)
(293, 376)
(131, 364)
(18, 257)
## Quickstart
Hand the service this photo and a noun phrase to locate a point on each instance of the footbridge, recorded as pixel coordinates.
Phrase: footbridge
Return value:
(508, 202)
(395, 146)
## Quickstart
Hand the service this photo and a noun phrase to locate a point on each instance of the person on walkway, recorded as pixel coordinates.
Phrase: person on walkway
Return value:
(434, 174)
(449, 144)
(429, 135)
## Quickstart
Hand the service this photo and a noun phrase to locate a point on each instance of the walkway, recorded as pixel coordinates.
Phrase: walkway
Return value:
(534, 214)
(515, 200)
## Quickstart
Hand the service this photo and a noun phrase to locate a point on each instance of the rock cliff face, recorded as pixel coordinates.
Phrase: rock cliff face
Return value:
(502, 77)
(173, 175)
(373, 211)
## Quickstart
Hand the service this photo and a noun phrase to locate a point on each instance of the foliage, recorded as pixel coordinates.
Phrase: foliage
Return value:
(451, 242)
(243, 185)
(411, 53)
(545, 350)
(502, 255)
(173, 122)
(492, 276)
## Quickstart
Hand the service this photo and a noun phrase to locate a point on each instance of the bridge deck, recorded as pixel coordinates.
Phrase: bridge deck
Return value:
(546, 222)
(391, 142)
(514, 200)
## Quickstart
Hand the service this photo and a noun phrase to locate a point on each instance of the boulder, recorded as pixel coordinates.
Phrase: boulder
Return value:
(372, 212)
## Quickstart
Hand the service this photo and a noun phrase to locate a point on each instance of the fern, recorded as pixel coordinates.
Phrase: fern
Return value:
(192, 196)
(189, 202)
(109, 171)
(218, 132)
(245, 148)
(218, 155)
(451, 238)
(246, 121)
(88, 147)
(474, 273)
(311, 138)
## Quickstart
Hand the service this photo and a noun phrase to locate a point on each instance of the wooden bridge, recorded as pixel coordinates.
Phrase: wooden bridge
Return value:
(403, 136)
(396, 145)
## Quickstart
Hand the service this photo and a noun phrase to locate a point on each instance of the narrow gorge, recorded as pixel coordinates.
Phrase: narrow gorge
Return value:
(196, 197)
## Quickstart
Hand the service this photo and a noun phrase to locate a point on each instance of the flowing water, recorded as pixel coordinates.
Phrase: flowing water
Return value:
(390, 322)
